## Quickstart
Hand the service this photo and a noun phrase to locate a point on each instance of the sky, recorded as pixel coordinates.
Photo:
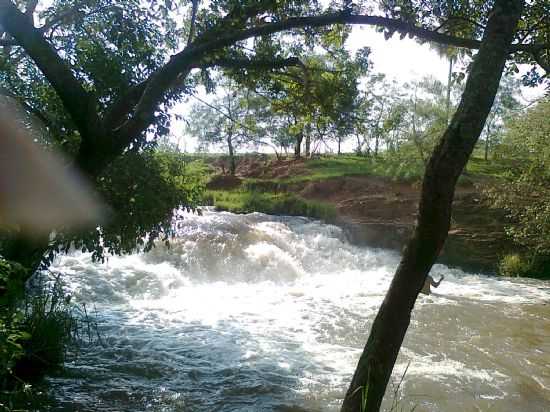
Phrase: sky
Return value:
(403, 60)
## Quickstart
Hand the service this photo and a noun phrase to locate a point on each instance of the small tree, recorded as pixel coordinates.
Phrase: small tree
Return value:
(221, 122)
(506, 102)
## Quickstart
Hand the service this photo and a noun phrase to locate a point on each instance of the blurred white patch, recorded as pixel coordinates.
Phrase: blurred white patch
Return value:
(38, 191)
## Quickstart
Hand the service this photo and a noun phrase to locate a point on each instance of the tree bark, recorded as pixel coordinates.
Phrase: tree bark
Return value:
(308, 140)
(442, 171)
(26, 251)
(298, 146)
(232, 163)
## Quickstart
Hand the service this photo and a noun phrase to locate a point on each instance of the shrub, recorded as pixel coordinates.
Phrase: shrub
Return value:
(35, 334)
(513, 265)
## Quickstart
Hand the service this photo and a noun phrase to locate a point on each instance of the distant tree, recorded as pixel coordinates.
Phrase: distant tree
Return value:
(317, 98)
(427, 114)
(380, 115)
(506, 102)
(223, 122)
(526, 194)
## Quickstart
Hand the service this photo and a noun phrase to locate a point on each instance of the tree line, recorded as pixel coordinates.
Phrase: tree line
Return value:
(365, 110)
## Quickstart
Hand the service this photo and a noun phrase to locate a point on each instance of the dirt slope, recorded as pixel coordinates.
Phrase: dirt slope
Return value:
(380, 212)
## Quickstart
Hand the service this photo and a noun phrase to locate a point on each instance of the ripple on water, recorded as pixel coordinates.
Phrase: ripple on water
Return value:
(258, 313)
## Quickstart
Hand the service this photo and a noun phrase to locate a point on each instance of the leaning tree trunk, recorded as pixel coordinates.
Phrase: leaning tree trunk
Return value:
(442, 171)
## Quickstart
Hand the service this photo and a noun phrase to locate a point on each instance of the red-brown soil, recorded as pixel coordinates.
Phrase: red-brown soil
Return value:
(381, 212)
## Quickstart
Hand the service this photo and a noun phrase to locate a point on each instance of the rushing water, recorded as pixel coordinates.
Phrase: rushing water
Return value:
(259, 313)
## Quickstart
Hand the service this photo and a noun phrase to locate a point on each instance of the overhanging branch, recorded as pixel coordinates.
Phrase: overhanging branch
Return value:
(249, 63)
(75, 99)
(163, 78)
(137, 111)
(124, 106)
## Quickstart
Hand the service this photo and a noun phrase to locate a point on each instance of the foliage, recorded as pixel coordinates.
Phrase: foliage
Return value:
(142, 189)
(111, 45)
(514, 265)
(526, 195)
(12, 281)
(11, 331)
(506, 102)
(35, 334)
(225, 122)
(316, 100)
(467, 19)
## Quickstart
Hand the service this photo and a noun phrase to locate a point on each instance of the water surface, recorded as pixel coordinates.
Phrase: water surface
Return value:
(260, 313)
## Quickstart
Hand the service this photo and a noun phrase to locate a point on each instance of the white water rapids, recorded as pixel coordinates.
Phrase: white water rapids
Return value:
(260, 313)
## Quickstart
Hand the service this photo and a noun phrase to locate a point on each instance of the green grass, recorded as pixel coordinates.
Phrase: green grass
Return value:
(331, 167)
(402, 165)
(500, 168)
(337, 166)
(274, 196)
(242, 201)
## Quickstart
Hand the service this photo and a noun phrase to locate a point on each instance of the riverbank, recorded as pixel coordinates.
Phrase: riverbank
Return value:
(372, 200)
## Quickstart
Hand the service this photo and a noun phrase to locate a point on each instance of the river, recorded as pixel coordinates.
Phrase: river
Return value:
(262, 313)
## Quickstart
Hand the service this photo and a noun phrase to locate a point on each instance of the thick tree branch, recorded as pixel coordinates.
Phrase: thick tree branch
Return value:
(120, 110)
(183, 61)
(75, 99)
(244, 63)
(137, 111)
(194, 9)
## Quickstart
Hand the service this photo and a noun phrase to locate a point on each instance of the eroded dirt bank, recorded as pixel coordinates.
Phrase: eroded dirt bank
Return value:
(380, 212)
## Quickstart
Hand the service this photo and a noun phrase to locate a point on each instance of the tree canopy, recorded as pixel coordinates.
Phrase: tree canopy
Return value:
(108, 72)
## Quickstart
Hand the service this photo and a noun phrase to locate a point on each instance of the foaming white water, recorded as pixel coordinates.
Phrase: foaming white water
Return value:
(262, 313)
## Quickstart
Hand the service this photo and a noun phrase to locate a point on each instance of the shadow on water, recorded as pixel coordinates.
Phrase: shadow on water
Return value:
(194, 367)
(255, 313)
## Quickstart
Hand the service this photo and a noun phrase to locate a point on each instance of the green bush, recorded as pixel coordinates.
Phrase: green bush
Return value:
(35, 333)
(142, 190)
(513, 265)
